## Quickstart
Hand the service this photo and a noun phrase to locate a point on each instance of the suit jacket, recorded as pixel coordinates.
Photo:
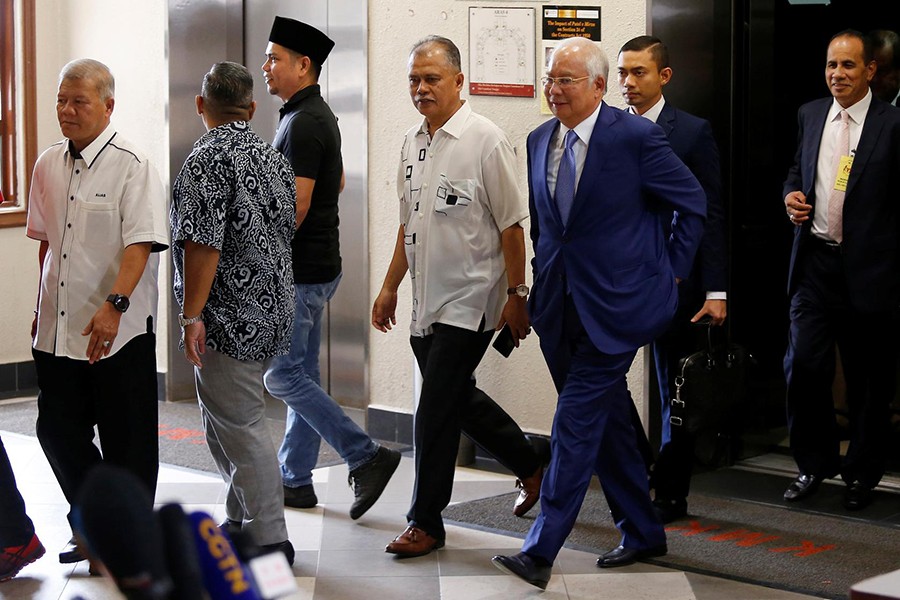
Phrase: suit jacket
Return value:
(612, 254)
(692, 141)
(871, 230)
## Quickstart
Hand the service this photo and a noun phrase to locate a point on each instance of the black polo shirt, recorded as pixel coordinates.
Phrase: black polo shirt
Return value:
(309, 138)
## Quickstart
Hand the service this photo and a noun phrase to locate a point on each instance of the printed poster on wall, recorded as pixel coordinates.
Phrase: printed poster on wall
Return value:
(501, 52)
(561, 22)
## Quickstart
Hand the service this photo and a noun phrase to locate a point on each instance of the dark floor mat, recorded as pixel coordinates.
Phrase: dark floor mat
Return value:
(800, 550)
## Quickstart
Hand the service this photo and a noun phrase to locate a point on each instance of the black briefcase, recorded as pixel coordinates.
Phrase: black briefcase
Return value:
(710, 390)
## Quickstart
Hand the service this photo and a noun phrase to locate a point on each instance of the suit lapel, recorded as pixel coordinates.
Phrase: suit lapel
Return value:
(868, 140)
(541, 158)
(666, 119)
(811, 146)
(602, 143)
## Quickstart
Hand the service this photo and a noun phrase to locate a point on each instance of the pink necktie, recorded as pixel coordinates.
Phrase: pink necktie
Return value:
(836, 199)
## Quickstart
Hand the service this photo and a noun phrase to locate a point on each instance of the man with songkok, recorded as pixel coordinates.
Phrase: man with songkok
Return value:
(309, 137)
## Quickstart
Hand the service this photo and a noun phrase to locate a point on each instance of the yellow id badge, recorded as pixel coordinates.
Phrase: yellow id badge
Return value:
(843, 173)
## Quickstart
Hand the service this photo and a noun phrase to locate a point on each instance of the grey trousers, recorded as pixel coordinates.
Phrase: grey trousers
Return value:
(233, 407)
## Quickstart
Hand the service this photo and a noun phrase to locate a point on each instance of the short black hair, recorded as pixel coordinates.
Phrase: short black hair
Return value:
(658, 50)
(868, 47)
(228, 89)
(882, 38)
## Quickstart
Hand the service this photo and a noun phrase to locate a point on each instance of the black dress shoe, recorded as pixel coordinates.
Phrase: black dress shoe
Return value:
(286, 547)
(370, 478)
(621, 556)
(670, 510)
(525, 568)
(303, 496)
(71, 554)
(231, 527)
(857, 496)
(802, 487)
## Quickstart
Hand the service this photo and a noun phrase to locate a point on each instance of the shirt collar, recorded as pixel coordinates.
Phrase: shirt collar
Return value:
(300, 96)
(583, 130)
(93, 149)
(223, 129)
(455, 124)
(654, 112)
(857, 111)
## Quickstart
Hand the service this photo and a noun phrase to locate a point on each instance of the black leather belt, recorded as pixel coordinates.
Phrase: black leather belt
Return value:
(826, 245)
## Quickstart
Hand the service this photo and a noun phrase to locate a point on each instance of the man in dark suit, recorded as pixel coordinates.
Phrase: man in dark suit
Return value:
(841, 195)
(605, 284)
(644, 70)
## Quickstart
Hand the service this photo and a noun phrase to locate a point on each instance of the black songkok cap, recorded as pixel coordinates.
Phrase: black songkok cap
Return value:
(301, 38)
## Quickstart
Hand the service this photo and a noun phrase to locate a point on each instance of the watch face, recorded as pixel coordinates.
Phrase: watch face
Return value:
(121, 303)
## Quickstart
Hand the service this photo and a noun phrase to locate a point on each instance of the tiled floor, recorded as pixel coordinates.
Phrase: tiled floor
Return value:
(340, 559)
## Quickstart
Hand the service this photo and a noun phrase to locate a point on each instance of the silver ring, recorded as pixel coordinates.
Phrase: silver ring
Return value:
(106, 344)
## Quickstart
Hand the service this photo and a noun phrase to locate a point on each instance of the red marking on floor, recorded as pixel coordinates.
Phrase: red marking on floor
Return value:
(806, 548)
(747, 538)
(693, 528)
(178, 434)
(744, 538)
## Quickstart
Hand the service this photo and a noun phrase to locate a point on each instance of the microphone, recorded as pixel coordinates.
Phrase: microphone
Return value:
(224, 576)
(114, 518)
(181, 555)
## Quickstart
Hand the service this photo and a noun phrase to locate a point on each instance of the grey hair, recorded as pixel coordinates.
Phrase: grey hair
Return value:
(595, 61)
(451, 52)
(91, 70)
(228, 86)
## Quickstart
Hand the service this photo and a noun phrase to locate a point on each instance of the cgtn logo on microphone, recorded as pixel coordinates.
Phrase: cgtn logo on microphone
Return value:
(223, 574)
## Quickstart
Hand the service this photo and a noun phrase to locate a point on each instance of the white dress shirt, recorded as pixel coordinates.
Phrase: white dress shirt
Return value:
(88, 209)
(583, 130)
(825, 174)
(458, 191)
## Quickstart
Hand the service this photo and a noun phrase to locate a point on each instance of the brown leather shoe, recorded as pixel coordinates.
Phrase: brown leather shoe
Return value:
(529, 492)
(413, 542)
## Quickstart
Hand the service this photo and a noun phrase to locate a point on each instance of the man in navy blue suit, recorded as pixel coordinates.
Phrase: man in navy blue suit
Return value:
(605, 284)
(644, 70)
(844, 277)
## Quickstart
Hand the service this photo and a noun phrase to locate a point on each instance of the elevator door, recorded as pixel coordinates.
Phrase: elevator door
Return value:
(202, 32)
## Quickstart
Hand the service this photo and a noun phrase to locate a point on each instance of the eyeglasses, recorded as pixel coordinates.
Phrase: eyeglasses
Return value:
(562, 82)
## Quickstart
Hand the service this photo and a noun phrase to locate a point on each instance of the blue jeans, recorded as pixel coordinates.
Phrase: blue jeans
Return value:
(312, 414)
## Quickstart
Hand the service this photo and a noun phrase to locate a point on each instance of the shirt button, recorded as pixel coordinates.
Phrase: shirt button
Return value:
(65, 255)
(71, 197)
(424, 185)
(62, 284)
(77, 171)
(69, 226)
(62, 313)
(421, 215)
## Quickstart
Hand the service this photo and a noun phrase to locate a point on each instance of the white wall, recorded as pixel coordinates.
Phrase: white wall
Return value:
(521, 384)
(129, 36)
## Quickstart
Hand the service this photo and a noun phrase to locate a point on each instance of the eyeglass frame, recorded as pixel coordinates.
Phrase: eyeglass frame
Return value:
(562, 82)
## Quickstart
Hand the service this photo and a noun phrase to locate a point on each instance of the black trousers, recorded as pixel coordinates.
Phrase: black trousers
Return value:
(822, 316)
(449, 404)
(16, 528)
(118, 394)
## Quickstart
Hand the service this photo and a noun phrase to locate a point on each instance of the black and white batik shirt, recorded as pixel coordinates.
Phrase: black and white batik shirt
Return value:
(236, 194)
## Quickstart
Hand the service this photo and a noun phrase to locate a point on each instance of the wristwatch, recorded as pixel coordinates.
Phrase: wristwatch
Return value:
(520, 290)
(119, 302)
(184, 322)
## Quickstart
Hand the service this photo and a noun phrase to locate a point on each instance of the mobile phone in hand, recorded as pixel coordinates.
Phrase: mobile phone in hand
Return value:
(504, 342)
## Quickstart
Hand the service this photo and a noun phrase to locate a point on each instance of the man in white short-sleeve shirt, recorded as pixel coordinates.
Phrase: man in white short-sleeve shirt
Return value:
(461, 240)
(97, 207)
